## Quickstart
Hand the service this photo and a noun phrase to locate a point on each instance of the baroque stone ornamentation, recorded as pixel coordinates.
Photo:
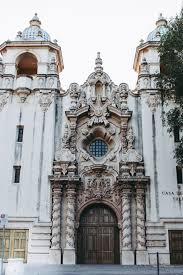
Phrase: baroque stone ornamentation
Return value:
(153, 101)
(98, 112)
(120, 96)
(74, 95)
(3, 101)
(123, 136)
(98, 187)
(126, 220)
(130, 138)
(140, 220)
(66, 137)
(131, 155)
(57, 193)
(45, 101)
(70, 217)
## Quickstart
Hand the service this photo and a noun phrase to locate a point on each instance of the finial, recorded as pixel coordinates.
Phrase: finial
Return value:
(19, 34)
(35, 21)
(161, 20)
(141, 41)
(55, 41)
(98, 63)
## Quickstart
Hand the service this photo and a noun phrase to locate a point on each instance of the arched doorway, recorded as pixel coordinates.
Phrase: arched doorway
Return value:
(98, 236)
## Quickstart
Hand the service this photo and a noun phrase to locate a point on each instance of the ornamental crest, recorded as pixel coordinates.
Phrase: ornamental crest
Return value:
(99, 188)
(45, 101)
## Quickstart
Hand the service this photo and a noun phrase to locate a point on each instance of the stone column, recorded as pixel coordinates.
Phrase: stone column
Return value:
(55, 252)
(127, 253)
(69, 256)
(142, 257)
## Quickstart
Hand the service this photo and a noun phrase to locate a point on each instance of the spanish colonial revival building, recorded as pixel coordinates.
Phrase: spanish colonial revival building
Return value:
(87, 174)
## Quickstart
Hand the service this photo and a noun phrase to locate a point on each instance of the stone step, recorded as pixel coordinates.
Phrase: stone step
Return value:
(99, 269)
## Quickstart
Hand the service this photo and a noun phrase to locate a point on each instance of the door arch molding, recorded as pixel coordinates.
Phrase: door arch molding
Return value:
(94, 201)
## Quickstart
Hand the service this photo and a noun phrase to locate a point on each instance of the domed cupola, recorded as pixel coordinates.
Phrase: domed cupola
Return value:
(161, 29)
(33, 32)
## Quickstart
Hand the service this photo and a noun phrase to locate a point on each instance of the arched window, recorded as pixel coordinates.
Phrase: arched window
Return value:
(26, 64)
(98, 148)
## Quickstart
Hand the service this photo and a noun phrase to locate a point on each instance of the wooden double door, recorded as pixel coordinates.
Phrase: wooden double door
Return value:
(98, 236)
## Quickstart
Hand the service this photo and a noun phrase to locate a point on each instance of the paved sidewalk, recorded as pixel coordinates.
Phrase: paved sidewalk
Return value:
(100, 270)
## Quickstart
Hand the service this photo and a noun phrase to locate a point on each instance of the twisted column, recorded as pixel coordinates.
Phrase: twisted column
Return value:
(70, 217)
(56, 207)
(126, 220)
(140, 220)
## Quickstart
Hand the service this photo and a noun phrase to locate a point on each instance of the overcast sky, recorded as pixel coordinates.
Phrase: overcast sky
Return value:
(83, 27)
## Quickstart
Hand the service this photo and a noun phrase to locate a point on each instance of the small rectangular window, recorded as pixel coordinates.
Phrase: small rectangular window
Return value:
(179, 174)
(176, 133)
(17, 174)
(20, 130)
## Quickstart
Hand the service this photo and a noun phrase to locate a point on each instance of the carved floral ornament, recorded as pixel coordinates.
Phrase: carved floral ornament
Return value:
(3, 101)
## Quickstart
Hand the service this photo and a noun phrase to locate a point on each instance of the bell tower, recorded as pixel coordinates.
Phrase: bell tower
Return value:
(29, 85)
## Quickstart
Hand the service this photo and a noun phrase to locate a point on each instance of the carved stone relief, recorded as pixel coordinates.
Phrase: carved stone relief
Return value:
(153, 101)
(45, 101)
(98, 111)
(3, 101)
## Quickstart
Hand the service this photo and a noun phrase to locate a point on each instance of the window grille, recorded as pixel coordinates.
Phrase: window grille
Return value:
(98, 148)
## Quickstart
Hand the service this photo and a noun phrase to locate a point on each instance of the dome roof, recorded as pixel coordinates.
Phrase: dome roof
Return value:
(161, 29)
(34, 31)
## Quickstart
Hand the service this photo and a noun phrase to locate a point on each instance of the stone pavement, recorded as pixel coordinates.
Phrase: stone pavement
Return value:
(31, 269)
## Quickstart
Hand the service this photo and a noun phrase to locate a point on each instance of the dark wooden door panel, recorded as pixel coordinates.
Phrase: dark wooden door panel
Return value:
(98, 237)
(176, 246)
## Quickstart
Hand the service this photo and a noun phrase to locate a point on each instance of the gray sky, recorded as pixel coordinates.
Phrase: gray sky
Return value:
(83, 27)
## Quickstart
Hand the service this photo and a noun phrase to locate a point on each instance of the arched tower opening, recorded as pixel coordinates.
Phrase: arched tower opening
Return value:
(26, 64)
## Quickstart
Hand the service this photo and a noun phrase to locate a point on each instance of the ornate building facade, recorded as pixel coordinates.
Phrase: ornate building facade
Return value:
(87, 174)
